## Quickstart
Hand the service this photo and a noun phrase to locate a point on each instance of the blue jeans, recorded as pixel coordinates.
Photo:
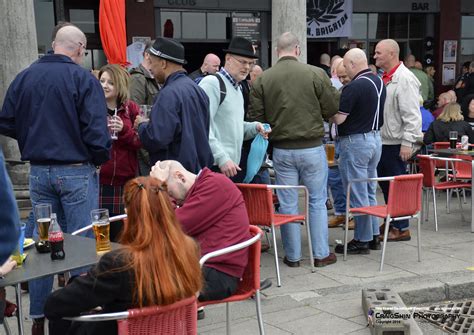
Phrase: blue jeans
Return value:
(311, 168)
(359, 156)
(335, 184)
(72, 191)
(391, 165)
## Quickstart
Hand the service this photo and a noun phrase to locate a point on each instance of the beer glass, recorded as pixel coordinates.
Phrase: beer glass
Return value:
(453, 139)
(330, 152)
(43, 219)
(101, 227)
(145, 111)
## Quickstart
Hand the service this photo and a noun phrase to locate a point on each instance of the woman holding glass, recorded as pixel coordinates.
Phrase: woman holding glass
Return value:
(123, 164)
(157, 265)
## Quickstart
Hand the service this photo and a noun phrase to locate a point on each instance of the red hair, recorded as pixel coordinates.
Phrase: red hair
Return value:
(165, 261)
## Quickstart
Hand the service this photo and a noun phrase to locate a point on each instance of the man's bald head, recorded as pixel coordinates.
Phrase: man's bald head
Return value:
(287, 44)
(355, 61)
(410, 61)
(255, 72)
(325, 59)
(335, 63)
(72, 42)
(387, 54)
(342, 74)
(179, 180)
(211, 64)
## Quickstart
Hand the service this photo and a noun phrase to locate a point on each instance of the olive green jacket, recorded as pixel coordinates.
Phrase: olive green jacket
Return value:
(293, 98)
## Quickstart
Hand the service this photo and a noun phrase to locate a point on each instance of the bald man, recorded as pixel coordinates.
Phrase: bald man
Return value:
(359, 120)
(254, 73)
(410, 63)
(325, 63)
(210, 65)
(401, 132)
(56, 110)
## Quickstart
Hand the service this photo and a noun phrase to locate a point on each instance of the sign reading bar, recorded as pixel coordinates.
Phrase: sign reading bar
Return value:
(247, 26)
(329, 18)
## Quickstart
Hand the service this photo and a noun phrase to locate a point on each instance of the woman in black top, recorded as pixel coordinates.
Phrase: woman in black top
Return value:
(450, 119)
(157, 265)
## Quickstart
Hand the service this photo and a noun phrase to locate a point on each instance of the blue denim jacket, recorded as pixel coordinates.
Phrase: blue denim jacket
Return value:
(9, 218)
(56, 110)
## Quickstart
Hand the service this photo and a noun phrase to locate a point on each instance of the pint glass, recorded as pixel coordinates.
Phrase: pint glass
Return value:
(453, 139)
(330, 152)
(101, 227)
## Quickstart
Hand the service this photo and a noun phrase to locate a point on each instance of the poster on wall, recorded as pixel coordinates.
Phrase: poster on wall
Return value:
(450, 49)
(449, 74)
(328, 18)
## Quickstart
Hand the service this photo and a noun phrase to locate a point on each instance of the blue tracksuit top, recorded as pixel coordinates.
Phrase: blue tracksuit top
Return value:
(179, 124)
(56, 110)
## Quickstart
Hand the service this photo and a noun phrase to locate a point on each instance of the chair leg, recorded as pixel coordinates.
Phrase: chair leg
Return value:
(419, 236)
(227, 313)
(310, 245)
(385, 237)
(346, 234)
(448, 197)
(7, 328)
(427, 214)
(277, 266)
(259, 312)
(464, 195)
(435, 209)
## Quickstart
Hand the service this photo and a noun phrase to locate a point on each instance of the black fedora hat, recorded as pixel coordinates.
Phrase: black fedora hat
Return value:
(242, 47)
(169, 49)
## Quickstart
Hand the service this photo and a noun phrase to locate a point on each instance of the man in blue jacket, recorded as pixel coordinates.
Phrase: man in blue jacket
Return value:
(56, 110)
(178, 128)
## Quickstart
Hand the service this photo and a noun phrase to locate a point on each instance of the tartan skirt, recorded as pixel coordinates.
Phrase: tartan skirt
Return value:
(111, 197)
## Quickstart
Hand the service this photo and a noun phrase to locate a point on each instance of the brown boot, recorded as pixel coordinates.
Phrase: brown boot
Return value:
(38, 327)
(336, 221)
(396, 235)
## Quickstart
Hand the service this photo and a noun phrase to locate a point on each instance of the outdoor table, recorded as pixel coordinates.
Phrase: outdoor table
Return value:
(80, 252)
(452, 152)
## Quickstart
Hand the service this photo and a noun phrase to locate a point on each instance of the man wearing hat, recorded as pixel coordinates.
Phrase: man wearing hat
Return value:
(228, 128)
(178, 128)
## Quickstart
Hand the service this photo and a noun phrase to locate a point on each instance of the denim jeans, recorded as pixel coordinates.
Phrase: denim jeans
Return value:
(335, 184)
(359, 156)
(391, 165)
(308, 166)
(72, 191)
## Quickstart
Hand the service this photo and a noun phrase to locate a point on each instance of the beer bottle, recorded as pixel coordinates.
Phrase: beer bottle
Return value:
(56, 239)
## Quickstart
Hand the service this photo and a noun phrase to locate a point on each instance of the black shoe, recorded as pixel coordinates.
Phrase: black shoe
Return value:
(353, 248)
(375, 243)
(201, 314)
(264, 284)
(290, 263)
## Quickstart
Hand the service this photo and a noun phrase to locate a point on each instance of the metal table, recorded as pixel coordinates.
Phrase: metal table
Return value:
(452, 152)
(80, 252)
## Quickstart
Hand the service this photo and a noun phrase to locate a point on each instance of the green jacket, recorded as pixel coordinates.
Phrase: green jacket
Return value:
(424, 81)
(143, 87)
(293, 98)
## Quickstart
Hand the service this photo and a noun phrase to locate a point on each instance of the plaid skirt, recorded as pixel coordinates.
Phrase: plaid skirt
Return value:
(111, 197)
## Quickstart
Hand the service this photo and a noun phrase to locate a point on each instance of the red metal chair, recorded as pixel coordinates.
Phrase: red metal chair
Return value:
(261, 211)
(404, 202)
(427, 166)
(179, 318)
(250, 284)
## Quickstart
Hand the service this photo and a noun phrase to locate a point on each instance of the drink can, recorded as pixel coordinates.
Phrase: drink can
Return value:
(465, 142)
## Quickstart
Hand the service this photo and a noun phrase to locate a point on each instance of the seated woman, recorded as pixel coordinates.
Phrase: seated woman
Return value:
(450, 119)
(468, 109)
(157, 265)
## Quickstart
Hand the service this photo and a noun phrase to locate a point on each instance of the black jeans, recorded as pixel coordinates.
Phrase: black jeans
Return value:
(217, 285)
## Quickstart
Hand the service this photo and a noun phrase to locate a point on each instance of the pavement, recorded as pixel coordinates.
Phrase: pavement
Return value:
(328, 301)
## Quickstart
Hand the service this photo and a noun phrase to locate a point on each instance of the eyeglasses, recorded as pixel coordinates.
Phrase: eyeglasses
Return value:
(86, 53)
(244, 62)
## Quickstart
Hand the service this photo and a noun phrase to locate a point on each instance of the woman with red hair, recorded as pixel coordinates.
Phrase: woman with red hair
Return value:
(157, 265)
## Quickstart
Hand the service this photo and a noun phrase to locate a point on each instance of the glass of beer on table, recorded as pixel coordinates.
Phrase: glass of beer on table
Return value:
(43, 219)
(453, 139)
(101, 227)
(330, 152)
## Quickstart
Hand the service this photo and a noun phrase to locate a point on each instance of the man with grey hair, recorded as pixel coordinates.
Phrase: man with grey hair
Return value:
(401, 131)
(359, 120)
(56, 110)
(294, 98)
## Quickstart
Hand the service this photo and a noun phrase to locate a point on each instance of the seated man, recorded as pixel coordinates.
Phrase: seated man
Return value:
(211, 210)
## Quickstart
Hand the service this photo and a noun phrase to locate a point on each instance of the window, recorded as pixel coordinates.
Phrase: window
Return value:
(417, 25)
(216, 26)
(44, 18)
(467, 22)
(378, 24)
(398, 26)
(84, 19)
(194, 25)
(359, 26)
(171, 24)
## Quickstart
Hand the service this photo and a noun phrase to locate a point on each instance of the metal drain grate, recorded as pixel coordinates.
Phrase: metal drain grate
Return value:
(452, 317)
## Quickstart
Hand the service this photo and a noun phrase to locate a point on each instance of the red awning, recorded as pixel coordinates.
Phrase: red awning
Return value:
(112, 31)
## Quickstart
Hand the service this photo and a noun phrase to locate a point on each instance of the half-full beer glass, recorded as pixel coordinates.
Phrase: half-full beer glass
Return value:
(101, 227)
(43, 219)
(330, 152)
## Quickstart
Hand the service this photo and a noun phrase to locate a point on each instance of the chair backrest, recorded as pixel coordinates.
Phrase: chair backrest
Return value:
(440, 145)
(259, 202)
(404, 196)
(463, 170)
(179, 318)
(427, 167)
